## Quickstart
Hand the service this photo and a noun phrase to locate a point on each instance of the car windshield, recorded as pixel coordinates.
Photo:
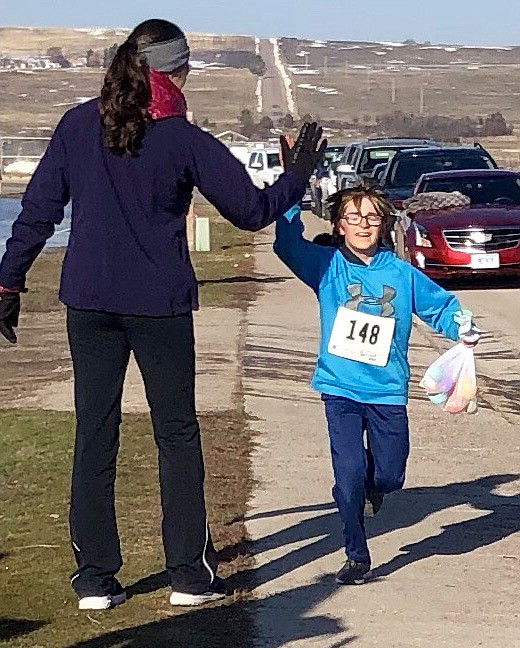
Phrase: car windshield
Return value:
(332, 157)
(406, 172)
(480, 191)
(273, 160)
(371, 157)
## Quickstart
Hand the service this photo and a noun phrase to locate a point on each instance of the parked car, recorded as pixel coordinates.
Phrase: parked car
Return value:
(360, 158)
(406, 167)
(264, 166)
(481, 238)
(323, 180)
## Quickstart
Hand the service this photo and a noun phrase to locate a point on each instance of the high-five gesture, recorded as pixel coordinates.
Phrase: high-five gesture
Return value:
(302, 156)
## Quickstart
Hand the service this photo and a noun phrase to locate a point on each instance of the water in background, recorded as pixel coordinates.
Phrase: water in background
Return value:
(9, 210)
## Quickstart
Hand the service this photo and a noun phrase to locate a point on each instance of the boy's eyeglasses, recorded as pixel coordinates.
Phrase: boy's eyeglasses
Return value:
(355, 219)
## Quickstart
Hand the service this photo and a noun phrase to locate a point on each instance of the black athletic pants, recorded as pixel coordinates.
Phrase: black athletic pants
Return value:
(164, 349)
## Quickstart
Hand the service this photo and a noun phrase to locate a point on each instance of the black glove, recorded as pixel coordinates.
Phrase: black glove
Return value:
(304, 156)
(9, 312)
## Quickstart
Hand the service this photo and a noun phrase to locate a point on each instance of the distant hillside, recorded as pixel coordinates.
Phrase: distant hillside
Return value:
(394, 56)
(30, 41)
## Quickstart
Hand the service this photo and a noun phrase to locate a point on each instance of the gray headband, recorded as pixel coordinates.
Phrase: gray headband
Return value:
(166, 56)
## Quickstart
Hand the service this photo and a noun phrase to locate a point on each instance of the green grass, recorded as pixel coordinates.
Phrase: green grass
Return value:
(34, 480)
(37, 605)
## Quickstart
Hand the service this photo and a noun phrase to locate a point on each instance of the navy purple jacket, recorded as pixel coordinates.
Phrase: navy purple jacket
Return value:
(128, 251)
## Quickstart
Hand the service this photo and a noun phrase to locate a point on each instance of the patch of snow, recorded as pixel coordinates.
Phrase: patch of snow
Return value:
(79, 100)
(21, 167)
(390, 44)
(379, 53)
(487, 47)
(303, 71)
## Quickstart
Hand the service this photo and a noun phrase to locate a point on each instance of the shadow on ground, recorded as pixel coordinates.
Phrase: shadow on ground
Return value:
(403, 509)
(291, 620)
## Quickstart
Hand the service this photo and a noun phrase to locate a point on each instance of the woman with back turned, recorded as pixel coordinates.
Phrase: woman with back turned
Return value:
(129, 163)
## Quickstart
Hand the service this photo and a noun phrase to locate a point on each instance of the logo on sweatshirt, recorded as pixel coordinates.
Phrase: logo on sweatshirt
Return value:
(385, 302)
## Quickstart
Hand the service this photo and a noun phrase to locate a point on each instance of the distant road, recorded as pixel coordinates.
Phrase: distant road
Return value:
(273, 90)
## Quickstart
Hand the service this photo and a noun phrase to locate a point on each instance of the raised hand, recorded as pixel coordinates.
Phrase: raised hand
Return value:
(302, 156)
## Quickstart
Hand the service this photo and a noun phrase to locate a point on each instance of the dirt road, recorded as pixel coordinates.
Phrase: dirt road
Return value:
(274, 98)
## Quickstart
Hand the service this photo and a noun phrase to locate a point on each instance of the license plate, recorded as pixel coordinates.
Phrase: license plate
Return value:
(485, 261)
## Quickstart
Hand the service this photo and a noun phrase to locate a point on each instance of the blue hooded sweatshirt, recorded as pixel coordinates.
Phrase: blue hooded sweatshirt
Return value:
(387, 287)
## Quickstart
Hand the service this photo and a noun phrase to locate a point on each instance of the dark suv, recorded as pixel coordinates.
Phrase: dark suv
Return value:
(406, 167)
(360, 158)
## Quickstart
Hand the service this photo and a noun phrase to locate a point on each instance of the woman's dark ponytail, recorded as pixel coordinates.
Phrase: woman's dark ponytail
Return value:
(126, 92)
(124, 100)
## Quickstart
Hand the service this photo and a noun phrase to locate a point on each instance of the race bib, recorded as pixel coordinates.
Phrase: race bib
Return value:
(361, 337)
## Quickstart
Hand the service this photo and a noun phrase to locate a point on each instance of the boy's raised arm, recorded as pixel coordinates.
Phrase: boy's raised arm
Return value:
(307, 260)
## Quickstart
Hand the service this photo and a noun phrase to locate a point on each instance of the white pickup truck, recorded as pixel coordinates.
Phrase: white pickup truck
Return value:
(264, 166)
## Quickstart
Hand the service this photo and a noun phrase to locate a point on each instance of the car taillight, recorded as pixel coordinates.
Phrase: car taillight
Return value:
(422, 237)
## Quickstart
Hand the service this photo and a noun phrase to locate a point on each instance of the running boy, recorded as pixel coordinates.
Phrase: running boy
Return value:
(367, 297)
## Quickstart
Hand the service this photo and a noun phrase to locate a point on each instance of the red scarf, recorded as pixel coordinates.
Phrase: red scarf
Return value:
(167, 99)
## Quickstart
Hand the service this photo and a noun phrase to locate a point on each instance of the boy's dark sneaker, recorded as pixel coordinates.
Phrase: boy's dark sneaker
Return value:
(373, 502)
(215, 592)
(353, 573)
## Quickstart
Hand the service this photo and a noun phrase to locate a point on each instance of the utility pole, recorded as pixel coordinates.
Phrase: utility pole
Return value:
(421, 100)
(393, 90)
(325, 66)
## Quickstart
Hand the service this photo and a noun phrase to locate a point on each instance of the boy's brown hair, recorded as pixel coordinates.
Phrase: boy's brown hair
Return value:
(364, 189)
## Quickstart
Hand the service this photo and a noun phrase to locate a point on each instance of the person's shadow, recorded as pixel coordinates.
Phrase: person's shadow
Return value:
(11, 628)
(212, 627)
(290, 618)
(321, 534)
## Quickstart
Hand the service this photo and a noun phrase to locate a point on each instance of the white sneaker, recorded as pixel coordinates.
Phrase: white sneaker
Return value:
(216, 592)
(102, 602)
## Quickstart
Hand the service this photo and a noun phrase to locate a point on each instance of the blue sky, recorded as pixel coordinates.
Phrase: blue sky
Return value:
(482, 22)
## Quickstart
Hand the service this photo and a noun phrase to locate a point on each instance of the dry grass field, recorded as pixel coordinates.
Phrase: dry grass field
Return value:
(34, 102)
(332, 80)
(24, 41)
(357, 81)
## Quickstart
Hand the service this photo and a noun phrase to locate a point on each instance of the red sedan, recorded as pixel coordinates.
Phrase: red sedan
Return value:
(482, 237)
